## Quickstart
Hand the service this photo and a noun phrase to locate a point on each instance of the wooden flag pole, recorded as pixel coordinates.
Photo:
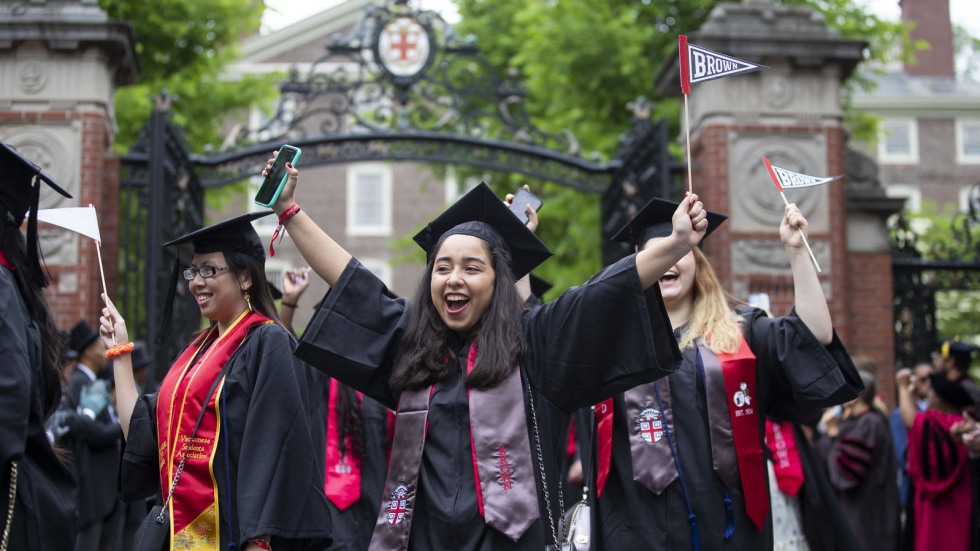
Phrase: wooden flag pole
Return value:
(98, 250)
(687, 132)
(803, 235)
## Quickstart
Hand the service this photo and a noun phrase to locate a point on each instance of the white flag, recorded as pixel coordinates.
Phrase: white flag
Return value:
(700, 64)
(77, 219)
(788, 179)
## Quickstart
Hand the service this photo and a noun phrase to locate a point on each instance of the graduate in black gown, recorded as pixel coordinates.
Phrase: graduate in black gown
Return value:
(447, 362)
(681, 463)
(40, 482)
(251, 474)
(350, 432)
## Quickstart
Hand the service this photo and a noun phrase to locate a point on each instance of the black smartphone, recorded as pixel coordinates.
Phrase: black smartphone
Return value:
(523, 198)
(273, 183)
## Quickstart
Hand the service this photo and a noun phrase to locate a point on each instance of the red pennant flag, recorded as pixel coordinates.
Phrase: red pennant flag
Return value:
(700, 64)
(788, 179)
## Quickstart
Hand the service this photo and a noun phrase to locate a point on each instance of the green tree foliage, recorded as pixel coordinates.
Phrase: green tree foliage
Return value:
(582, 62)
(945, 234)
(182, 46)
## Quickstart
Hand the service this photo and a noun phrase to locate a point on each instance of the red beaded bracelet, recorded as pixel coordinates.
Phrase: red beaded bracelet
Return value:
(261, 543)
(119, 350)
(286, 215)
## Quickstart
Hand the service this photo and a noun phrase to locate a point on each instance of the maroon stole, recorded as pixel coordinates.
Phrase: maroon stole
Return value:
(342, 483)
(736, 446)
(502, 467)
(6, 263)
(194, 507)
(786, 457)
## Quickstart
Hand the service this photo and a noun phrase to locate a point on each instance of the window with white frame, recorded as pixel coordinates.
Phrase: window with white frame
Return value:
(369, 199)
(379, 268)
(899, 142)
(969, 195)
(267, 224)
(274, 270)
(911, 194)
(968, 141)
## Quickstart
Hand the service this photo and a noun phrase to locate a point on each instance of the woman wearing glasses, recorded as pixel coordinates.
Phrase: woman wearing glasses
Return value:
(243, 469)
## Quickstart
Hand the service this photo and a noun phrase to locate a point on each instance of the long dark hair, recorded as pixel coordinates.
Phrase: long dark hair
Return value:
(261, 298)
(14, 247)
(427, 341)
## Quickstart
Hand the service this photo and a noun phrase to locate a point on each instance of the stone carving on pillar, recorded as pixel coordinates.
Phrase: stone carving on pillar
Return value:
(48, 149)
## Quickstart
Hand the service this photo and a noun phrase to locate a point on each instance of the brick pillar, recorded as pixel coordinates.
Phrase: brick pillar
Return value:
(790, 113)
(60, 63)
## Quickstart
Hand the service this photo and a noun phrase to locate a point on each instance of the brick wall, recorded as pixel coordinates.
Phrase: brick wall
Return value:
(932, 24)
(870, 311)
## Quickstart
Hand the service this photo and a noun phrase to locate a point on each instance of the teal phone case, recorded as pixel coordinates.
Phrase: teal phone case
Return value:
(282, 183)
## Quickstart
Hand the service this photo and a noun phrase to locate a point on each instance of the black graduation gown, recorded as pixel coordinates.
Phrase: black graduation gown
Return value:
(270, 450)
(46, 489)
(861, 466)
(352, 527)
(795, 375)
(590, 343)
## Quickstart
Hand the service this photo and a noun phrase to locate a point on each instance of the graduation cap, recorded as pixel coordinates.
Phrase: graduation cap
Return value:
(235, 235)
(20, 191)
(961, 352)
(950, 392)
(539, 286)
(654, 220)
(482, 214)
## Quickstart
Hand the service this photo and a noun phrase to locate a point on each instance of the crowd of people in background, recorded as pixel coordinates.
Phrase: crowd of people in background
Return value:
(474, 415)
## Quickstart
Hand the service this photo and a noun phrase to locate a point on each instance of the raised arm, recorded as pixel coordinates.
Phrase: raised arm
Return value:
(808, 297)
(689, 224)
(112, 329)
(906, 401)
(324, 255)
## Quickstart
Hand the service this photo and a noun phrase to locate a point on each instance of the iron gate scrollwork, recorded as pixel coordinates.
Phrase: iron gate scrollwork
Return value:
(922, 269)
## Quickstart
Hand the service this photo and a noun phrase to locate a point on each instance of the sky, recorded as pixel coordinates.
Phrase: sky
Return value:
(285, 12)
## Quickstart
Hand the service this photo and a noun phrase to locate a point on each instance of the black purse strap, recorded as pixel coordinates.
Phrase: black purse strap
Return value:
(197, 424)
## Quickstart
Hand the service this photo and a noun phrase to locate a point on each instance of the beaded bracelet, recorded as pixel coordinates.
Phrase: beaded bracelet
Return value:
(286, 215)
(290, 304)
(261, 543)
(119, 350)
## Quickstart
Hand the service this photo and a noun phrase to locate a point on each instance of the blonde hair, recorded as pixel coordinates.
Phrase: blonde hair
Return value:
(711, 316)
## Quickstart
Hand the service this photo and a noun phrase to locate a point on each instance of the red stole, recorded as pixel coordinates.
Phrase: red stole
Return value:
(342, 483)
(739, 371)
(194, 506)
(786, 457)
(6, 263)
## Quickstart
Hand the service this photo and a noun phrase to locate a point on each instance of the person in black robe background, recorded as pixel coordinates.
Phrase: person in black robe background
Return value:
(267, 478)
(362, 434)
(597, 339)
(44, 490)
(801, 366)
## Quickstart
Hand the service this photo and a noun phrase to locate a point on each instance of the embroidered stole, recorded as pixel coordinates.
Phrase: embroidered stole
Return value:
(342, 483)
(501, 452)
(736, 445)
(194, 515)
(786, 457)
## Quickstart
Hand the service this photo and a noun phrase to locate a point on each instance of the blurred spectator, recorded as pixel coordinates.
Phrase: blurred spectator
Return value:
(861, 465)
(938, 464)
(920, 390)
(94, 437)
(953, 361)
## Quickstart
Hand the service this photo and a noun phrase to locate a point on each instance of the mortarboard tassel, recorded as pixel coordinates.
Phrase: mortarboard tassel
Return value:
(168, 309)
(729, 517)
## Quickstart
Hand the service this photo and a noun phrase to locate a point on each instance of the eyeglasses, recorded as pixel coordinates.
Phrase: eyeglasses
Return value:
(204, 271)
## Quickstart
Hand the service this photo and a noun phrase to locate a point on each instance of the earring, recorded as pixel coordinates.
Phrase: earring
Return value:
(248, 300)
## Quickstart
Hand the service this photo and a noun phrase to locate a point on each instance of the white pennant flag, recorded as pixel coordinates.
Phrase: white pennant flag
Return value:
(700, 64)
(77, 219)
(787, 179)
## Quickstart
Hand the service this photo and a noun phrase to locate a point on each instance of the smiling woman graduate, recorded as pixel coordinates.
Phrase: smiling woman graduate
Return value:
(680, 461)
(465, 363)
(244, 469)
